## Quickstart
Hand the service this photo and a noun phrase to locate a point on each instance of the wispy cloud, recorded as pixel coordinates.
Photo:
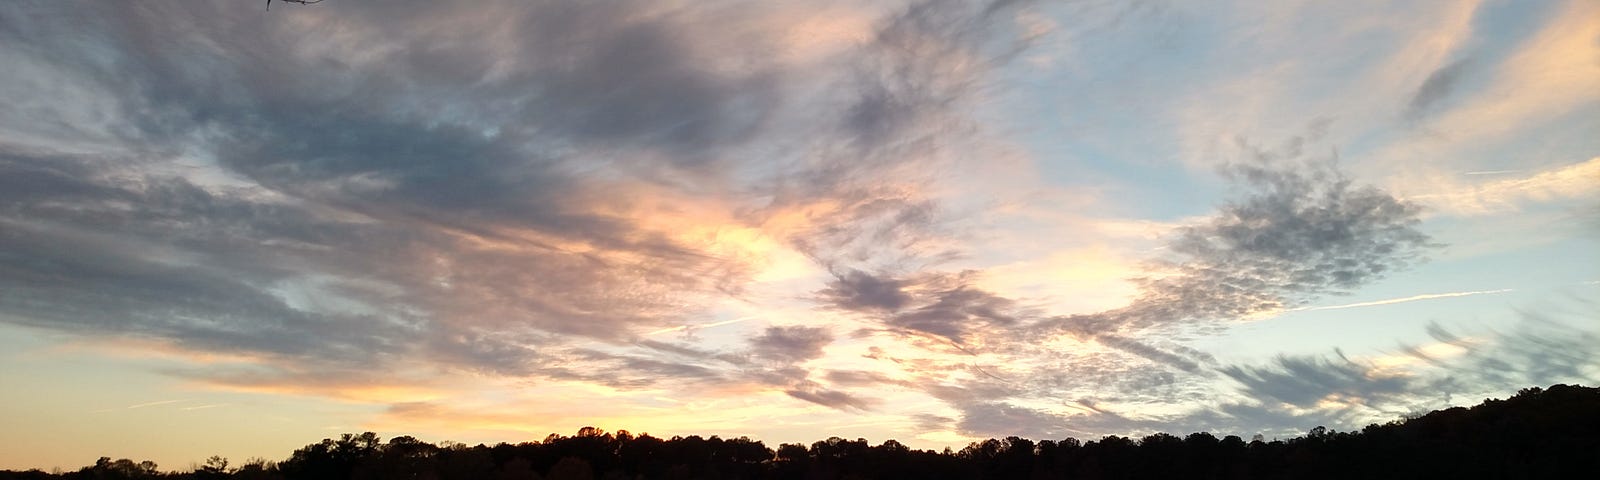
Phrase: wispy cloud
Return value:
(1571, 181)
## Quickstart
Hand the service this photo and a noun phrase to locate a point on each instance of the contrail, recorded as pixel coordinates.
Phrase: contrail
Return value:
(708, 325)
(141, 405)
(1412, 298)
(1491, 172)
(152, 404)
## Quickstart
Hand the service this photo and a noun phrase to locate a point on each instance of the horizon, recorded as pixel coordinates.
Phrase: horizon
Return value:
(1318, 432)
(227, 231)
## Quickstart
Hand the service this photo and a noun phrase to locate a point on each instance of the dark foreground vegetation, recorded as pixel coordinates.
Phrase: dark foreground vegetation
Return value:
(1539, 433)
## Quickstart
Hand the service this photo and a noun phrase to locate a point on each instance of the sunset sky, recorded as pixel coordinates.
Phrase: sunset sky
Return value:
(232, 231)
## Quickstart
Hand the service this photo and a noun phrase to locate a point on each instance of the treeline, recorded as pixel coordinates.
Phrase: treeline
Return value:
(1539, 433)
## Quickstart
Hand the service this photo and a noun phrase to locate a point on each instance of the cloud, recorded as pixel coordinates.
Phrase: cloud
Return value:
(313, 185)
(220, 271)
(1572, 181)
(946, 305)
(781, 350)
(1303, 382)
(89, 283)
(831, 398)
(1344, 392)
(790, 344)
(1000, 418)
(505, 190)
(1301, 231)
(625, 371)
(859, 378)
(1152, 353)
(353, 220)
(1292, 393)
(1543, 78)
(904, 114)
(1436, 88)
(860, 291)
(957, 309)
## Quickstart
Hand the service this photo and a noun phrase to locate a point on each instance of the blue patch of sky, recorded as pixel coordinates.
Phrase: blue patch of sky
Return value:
(1101, 117)
(1500, 27)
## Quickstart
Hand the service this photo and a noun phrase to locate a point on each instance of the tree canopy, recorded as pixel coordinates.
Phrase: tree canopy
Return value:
(1538, 433)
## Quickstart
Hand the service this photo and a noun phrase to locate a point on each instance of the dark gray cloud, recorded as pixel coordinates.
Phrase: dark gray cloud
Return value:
(640, 81)
(627, 371)
(1549, 345)
(677, 349)
(984, 410)
(1436, 88)
(1176, 360)
(957, 310)
(940, 304)
(1287, 395)
(1304, 381)
(222, 271)
(1005, 419)
(83, 285)
(855, 290)
(792, 344)
(831, 398)
(780, 351)
(1302, 233)
(489, 351)
(920, 68)
(185, 265)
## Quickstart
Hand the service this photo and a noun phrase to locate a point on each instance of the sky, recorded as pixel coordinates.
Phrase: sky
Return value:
(232, 231)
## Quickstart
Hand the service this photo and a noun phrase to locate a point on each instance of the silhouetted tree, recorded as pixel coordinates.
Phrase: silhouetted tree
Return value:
(1538, 433)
